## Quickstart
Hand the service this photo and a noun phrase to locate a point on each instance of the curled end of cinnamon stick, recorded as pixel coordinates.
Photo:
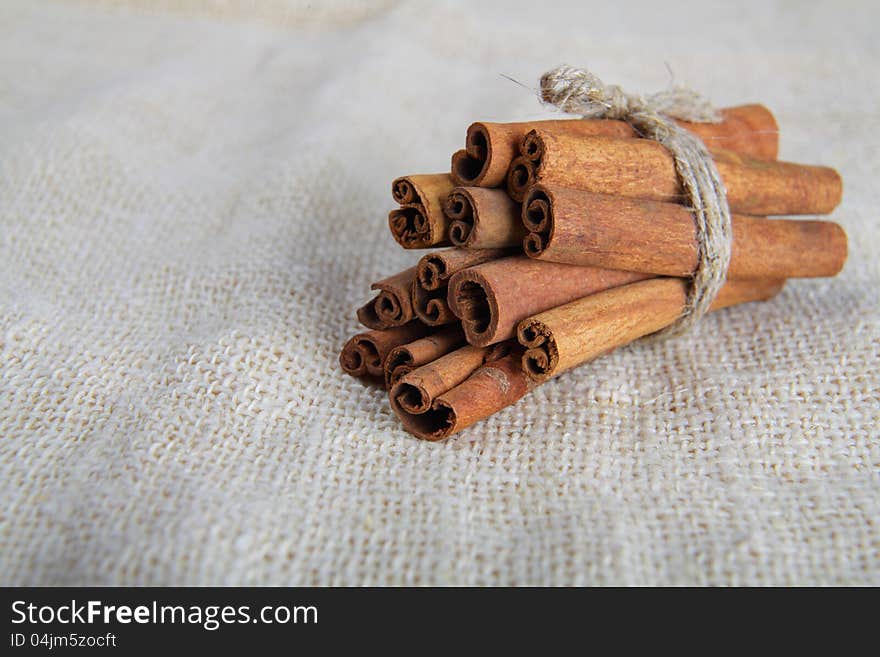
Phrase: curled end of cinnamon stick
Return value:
(410, 398)
(537, 217)
(360, 357)
(534, 245)
(436, 423)
(410, 227)
(477, 142)
(384, 311)
(489, 389)
(520, 177)
(397, 374)
(542, 355)
(431, 272)
(532, 148)
(472, 301)
(465, 169)
(364, 354)
(470, 166)
(403, 191)
(397, 365)
(393, 305)
(429, 295)
(432, 310)
(459, 207)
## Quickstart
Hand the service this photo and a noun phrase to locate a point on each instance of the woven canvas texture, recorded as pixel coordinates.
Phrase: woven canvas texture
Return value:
(193, 201)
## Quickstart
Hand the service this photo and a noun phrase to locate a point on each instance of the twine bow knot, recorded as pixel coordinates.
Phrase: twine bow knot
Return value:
(576, 91)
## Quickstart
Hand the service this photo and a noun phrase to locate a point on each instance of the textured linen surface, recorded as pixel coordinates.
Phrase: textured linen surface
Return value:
(193, 200)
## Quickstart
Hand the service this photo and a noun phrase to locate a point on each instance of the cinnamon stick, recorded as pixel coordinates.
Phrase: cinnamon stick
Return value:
(433, 272)
(490, 147)
(415, 392)
(502, 382)
(641, 168)
(393, 305)
(364, 354)
(419, 222)
(483, 218)
(583, 228)
(490, 299)
(564, 337)
(493, 386)
(406, 358)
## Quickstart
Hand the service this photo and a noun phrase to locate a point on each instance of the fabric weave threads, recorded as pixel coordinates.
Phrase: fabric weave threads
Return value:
(577, 91)
(171, 408)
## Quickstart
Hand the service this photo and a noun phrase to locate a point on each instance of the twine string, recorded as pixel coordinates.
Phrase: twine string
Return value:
(576, 91)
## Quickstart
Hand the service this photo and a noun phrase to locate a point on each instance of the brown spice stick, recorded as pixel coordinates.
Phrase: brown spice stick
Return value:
(641, 168)
(748, 129)
(406, 358)
(490, 388)
(490, 147)
(490, 299)
(415, 392)
(483, 218)
(503, 382)
(393, 305)
(577, 332)
(364, 354)
(433, 272)
(583, 228)
(419, 222)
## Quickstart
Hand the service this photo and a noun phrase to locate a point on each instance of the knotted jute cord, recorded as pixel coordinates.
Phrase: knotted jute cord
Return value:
(576, 91)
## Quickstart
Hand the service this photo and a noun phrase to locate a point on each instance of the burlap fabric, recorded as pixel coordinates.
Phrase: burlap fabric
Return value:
(192, 204)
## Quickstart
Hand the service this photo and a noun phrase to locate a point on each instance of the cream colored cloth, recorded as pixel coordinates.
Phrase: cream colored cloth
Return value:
(193, 202)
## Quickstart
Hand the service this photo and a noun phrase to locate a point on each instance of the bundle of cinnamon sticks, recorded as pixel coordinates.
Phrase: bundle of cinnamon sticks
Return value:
(566, 240)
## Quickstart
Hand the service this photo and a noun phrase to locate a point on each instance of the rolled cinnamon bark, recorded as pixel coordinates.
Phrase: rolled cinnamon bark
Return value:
(406, 358)
(491, 388)
(365, 353)
(577, 332)
(433, 272)
(483, 218)
(419, 222)
(415, 392)
(490, 147)
(490, 299)
(641, 168)
(583, 228)
(393, 305)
